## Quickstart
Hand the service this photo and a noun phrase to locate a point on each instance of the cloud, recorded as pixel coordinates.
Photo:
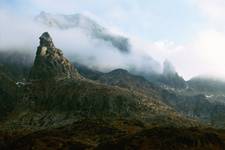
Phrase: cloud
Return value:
(210, 45)
(213, 10)
(14, 29)
(152, 34)
(22, 33)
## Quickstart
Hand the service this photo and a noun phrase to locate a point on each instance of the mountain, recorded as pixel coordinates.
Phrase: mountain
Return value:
(168, 68)
(169, 78)
(124, 79)
(50, 62)
(87, 25)
(189, 101)
(88, 72)
(212, 88)
(207, 85)
(61, 105)
(196, 106)
(56, 94)
(190, 104)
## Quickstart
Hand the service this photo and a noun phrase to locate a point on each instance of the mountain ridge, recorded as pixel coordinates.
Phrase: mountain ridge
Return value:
(95, 110)
(55, 99)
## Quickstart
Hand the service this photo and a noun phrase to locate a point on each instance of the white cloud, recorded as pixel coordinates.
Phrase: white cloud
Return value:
(204, 53)
(18, 33)
(56, 6)
(213, 10)
(210, 45)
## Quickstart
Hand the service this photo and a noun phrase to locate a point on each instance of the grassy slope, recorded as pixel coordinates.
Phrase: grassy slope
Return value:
(49, 104)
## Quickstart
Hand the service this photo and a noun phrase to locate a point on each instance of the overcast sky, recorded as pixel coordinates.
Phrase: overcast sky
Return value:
(190, 33)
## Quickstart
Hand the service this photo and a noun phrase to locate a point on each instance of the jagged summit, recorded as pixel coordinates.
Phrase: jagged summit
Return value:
(170, 78)
(46, 40)
(50, 62)
(168, 68)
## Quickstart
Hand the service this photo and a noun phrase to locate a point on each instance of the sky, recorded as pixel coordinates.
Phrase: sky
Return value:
(189, 33)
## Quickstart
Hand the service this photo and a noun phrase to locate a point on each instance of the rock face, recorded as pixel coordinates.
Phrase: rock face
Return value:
(170, 77)
(168, 68)
(50, 62)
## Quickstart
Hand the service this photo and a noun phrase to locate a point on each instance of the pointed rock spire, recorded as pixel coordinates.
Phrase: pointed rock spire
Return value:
(168, 68)
(50, 62)
(170, 77)
(46, 40)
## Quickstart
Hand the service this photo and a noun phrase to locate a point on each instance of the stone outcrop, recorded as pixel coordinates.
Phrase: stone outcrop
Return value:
(50, 62)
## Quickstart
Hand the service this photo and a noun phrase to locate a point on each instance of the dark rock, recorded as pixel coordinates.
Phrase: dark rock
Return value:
(50, 62)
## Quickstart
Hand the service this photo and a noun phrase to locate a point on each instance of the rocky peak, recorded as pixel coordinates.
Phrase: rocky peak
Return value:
(46, 40)
(50, 62)
(168, 68)
(170, 77)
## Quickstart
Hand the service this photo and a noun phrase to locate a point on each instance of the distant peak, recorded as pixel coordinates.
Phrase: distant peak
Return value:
(168, 67)
(121, 71)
